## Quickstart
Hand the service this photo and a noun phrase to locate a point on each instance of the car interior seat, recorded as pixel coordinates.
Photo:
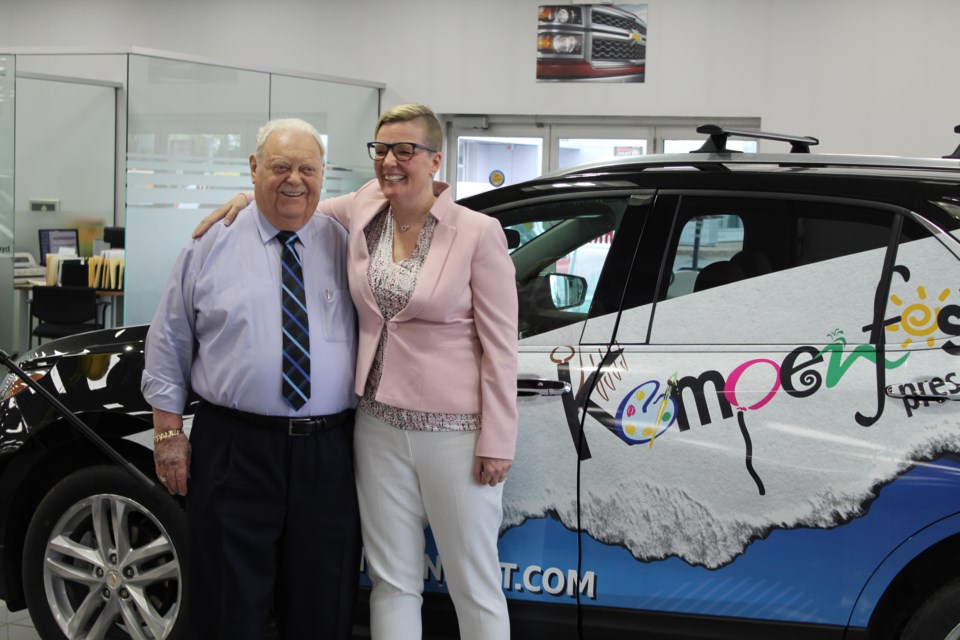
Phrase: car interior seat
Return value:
(716, 274)
(752, 263)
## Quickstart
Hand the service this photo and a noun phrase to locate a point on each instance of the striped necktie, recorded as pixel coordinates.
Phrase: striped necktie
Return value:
(296, 334)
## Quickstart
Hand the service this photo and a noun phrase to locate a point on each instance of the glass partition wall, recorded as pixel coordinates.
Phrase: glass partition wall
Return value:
(65, 159)
(8, 341)
(344, 114)
(180, 135)
(191, 128)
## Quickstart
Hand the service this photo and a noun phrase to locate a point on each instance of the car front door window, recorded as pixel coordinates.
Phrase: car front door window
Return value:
(560, 251)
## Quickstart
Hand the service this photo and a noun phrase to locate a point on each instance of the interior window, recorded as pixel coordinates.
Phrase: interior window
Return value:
(758, 270)
(559, 250)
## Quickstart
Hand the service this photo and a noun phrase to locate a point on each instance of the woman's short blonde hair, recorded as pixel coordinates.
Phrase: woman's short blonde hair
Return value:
(410, 112)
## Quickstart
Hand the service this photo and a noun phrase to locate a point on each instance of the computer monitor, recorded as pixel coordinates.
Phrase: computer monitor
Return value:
(52, 240)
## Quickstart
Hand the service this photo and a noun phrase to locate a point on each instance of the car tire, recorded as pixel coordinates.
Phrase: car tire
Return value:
(938, 618)
(103, 552)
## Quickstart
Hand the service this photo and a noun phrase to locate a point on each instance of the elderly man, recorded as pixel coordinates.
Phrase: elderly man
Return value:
(257, 319)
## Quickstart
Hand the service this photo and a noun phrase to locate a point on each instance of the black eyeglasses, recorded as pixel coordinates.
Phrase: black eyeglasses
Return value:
(402, 151)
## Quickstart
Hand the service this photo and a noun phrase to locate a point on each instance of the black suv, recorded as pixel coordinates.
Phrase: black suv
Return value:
(738, 416)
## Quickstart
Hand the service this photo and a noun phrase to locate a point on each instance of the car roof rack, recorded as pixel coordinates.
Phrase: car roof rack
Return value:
(717, 142)
(956, 152)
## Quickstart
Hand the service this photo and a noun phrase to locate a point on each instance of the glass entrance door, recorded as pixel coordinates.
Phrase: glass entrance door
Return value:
(484, 153)
(495, 157)
(483, 158)
(686, 139)
(575, 144)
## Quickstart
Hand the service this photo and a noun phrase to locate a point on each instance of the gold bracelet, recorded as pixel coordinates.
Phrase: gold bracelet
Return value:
(172, 433)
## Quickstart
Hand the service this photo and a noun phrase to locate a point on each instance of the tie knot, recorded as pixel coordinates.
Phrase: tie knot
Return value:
(287, 237)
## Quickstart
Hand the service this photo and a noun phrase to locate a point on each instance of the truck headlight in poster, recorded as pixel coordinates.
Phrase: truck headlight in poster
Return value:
(592, 43)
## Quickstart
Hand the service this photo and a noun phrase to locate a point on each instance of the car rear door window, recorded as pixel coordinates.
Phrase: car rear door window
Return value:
(770, 271)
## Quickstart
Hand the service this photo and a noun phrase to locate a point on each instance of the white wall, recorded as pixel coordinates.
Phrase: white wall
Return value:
(865, 76)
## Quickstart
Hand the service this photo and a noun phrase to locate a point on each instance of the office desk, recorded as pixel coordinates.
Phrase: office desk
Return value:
(21, 313)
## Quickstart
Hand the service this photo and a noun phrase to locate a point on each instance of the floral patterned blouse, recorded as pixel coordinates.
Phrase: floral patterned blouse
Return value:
(393, 284)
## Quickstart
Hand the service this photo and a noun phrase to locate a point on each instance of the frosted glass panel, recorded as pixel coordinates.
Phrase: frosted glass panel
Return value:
(190, 131)
(344, 114)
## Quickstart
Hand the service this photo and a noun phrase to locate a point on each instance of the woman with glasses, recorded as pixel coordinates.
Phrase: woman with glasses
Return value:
(435, 433)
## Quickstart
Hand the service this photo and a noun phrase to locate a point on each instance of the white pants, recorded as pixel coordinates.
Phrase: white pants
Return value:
(406, 480)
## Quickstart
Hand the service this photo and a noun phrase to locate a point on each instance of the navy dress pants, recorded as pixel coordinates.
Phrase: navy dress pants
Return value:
(273, 527)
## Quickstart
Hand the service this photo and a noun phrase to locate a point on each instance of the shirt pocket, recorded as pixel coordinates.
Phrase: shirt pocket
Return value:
(336, 314)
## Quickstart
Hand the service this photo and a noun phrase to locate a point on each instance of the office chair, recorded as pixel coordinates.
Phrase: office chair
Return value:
(64, 311)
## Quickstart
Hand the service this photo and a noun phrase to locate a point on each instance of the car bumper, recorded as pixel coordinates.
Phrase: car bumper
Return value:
(582, 70)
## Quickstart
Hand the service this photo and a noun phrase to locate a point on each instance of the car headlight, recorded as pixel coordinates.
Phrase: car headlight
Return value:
(559, 43)
(561, 15)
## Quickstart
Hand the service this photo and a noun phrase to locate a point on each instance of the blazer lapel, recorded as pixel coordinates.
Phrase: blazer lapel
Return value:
(443, 236)
(360, 260)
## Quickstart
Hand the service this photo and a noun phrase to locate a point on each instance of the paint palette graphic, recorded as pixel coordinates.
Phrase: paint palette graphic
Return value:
(645, 413)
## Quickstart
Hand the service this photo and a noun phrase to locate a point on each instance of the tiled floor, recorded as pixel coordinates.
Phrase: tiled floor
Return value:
(16, 625)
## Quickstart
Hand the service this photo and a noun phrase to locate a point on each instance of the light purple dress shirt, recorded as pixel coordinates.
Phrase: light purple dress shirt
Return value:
(218, 326)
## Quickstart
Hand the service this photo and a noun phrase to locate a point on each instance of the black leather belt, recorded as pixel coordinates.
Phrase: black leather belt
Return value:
(306, 426)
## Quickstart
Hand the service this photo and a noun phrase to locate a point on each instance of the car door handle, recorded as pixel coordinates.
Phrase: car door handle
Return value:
(913, 395)
(527, 387)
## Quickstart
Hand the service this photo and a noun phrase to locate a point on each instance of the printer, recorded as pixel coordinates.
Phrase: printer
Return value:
(25, 269)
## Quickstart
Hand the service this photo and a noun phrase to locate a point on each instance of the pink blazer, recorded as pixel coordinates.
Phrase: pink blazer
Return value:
(453, 348)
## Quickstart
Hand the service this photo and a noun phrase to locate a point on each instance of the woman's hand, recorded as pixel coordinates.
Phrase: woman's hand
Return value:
(491, 471)
(227, 212)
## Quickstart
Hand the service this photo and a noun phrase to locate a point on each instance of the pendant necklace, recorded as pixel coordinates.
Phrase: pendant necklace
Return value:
(404, 227)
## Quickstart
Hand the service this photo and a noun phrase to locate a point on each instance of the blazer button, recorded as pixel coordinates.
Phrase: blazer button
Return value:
(392, 326)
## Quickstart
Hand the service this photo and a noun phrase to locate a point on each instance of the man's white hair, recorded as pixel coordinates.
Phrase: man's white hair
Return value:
(288, 124)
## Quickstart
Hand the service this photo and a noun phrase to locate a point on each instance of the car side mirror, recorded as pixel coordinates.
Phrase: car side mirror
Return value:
(567, 290)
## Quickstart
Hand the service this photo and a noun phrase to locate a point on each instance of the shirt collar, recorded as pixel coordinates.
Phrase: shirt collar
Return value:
(268, 232)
